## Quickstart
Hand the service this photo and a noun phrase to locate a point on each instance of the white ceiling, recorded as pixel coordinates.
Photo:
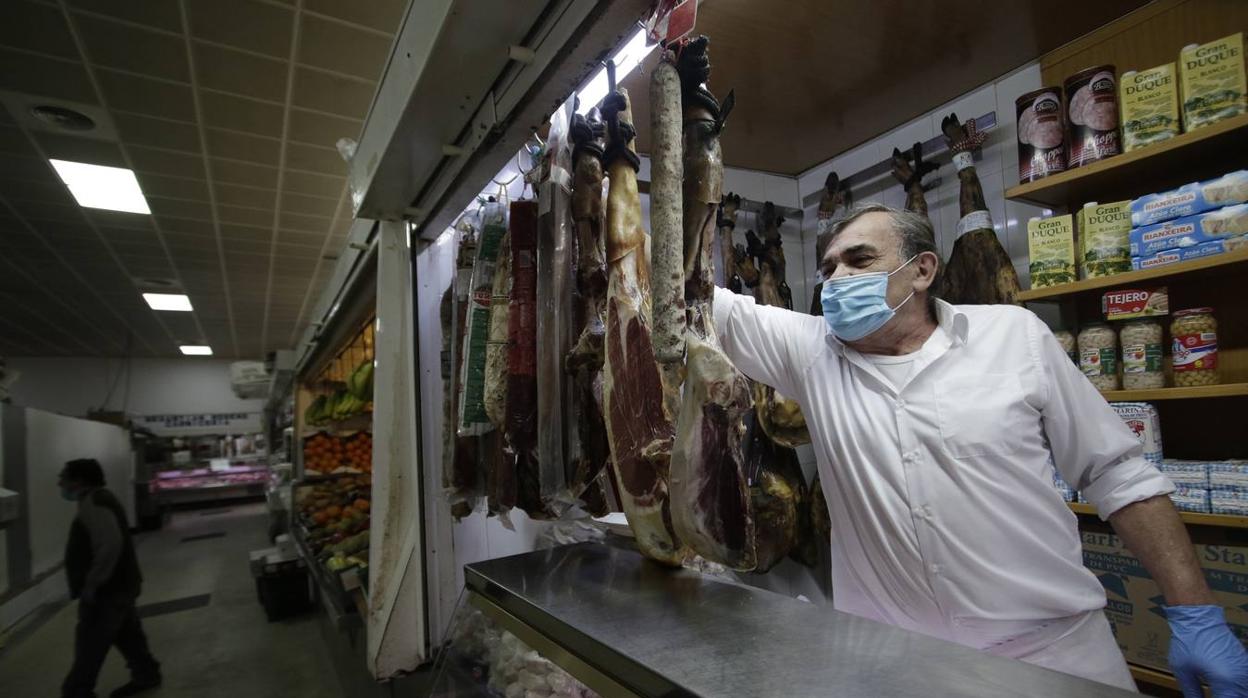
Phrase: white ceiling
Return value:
(228, 111)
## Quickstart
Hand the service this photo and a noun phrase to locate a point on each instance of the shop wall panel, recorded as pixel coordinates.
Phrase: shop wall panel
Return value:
(155, 386)
(51, 440)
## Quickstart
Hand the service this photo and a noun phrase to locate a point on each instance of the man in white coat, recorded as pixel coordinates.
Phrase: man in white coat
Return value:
(936, 429)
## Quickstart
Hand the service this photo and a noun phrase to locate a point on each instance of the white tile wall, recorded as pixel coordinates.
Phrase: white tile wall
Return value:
(996, 165)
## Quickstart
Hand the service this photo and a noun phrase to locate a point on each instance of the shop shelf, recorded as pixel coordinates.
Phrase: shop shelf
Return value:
(1202, 391)
(1201, 154)
(1153, 677)
(1189, 517)
(1227, 263)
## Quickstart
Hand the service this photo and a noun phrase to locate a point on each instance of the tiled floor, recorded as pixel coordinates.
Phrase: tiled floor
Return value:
(225, 648)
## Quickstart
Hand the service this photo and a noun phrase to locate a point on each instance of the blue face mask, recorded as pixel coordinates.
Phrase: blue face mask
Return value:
(855, 306)
(69, 495)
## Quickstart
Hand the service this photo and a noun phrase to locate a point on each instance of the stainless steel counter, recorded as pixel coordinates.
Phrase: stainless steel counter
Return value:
(664, 632)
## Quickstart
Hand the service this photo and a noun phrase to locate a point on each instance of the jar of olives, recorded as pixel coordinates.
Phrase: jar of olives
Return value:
(1098, 355)
(1141, 354)
(1194, 334)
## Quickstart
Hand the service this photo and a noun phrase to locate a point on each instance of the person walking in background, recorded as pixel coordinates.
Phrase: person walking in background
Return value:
(104, 576)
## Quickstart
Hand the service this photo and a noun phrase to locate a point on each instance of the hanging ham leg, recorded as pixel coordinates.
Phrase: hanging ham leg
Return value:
(710, 494)
(584, 362)
(911, 176)
(835, 195)
(637, 428)
(779, 416)
(979, 269)
(666, 230)
(727, 224)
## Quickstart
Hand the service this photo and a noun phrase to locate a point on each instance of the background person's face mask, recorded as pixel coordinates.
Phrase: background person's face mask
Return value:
(855, 306)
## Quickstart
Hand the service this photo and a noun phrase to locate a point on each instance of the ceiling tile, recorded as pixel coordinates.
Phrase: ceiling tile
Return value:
(129, 235)
(240, 146)
(114, 45)
(315, 160)
(137, 94)
(245, 196)
(342, 49)
(240, 73)
(158, 133)
(35, 27)
(36, 169)
(294, 221)
(314, 184)
(302, 237)
(321, 129)
(309, 205)
(250, 247)
(244, 173)
(241, 114)
(175, 187)
(37, 212)
(164, 162)
(13, 141)
(21, 72)
(243, 24)
(186, 226)
(329, 93)
(180, 208)
(89, 150)
(383, 15)
(120, 219)
(163, 14)
(244, 216)
(231, 232)
(25, 190)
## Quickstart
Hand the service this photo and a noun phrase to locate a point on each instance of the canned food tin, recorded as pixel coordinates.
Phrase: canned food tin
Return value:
(1041, 134)
(1092, 115)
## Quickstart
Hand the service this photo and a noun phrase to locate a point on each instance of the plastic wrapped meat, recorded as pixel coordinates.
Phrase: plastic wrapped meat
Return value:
(556, 275)
(521, 413)
(589, 449)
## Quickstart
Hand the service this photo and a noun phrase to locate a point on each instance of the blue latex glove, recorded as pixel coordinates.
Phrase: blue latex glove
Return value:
(1203, 646)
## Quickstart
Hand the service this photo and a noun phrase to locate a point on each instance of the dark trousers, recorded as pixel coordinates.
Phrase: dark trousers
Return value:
(100, 626)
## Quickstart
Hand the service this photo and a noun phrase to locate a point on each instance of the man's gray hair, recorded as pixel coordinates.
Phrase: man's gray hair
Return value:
(914, 230)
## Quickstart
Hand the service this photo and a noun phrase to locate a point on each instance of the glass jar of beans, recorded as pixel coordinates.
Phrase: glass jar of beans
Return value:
(1098, 355)
(1141, 354)
(1194, 342)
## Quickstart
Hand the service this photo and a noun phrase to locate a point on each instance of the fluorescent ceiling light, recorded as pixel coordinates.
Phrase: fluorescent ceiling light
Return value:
(196, 350)
(168, 301)
(626, 59)
(97, 186)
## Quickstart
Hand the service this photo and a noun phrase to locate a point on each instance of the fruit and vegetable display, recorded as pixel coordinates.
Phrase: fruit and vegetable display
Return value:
(354, 398)
(335, 518)
(325, 453)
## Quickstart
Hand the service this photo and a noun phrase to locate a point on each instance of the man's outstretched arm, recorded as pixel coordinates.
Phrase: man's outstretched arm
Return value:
(769, 344)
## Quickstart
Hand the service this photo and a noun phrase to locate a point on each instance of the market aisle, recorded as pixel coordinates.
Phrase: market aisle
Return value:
(225, 648)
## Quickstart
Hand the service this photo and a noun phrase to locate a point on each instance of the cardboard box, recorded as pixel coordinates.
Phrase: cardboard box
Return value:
(1134, 602)
(1127, 303)
(1051, 250)
(1190, 199)
(1184, 254)
(1104, 239)
(1212, 80)
(1149, 100)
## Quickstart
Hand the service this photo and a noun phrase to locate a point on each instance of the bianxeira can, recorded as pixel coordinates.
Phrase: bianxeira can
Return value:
(1092, 115)
(1041, 134)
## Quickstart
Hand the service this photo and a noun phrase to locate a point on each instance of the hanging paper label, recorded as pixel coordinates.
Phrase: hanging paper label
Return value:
(975, 220)
(672, 19)
(963, 160)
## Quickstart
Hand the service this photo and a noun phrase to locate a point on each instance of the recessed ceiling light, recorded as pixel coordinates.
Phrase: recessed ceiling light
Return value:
(168, 301)
(196, 350)
(97, 186)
